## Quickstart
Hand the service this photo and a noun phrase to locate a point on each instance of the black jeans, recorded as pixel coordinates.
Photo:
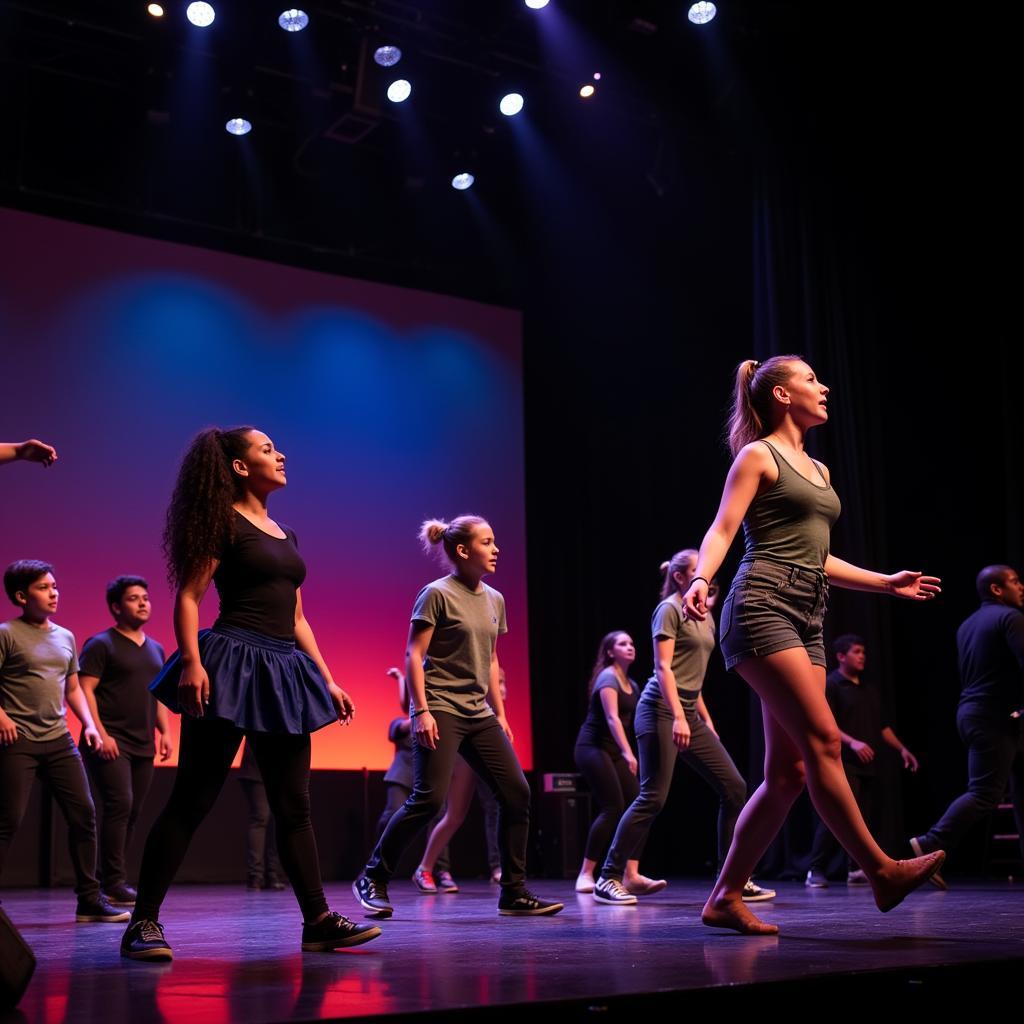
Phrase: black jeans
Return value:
(58, 763)
(658, 756)
(612, 787)
(208, 746)
(995, 759)
(122, 785)
(484, 745)
(397, 795)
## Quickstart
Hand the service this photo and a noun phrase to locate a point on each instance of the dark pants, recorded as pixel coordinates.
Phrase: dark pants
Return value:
(658, 756)
(397, 795)
(121, 785)
(58, 763)
(995, 759)
(485, 747)
(261, 860)
(826, 845)
(208, 746)
(613, 787)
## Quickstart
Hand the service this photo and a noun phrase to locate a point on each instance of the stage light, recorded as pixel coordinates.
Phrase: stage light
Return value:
(238, 126)
(387, 56)
(511, 104)
(597, 76)
(399, 91)
(156, 10)
(536, 5)
(462, 181)
(293, 20)
(201, 15)
(587, 91)
(702, 13)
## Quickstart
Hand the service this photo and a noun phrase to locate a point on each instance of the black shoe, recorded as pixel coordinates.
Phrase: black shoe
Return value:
(372, 894)
(144, 940)
(254, 882)
(120, 895)
(275, 884)
(335, 932)
(97, 910)
(522, 903)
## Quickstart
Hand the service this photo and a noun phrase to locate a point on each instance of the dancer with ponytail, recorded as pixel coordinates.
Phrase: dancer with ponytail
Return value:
(257, 673)
(456, 708)
(605, 757)
(771, 629)
(672, 724)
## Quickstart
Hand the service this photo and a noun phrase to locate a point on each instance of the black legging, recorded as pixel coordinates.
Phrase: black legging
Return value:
(208, 746)
(613, 787)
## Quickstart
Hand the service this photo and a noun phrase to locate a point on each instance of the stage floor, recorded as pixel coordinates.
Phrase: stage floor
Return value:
(237, 955)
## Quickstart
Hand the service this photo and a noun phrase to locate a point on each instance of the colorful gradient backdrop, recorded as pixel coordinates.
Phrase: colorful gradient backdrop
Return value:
(392, 405)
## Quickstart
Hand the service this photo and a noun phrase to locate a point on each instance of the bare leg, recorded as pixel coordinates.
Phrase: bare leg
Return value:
(802, 739)
(460, 796)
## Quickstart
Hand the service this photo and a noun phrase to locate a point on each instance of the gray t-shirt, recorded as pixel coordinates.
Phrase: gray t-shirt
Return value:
(34, 665)
(458, 662)
(694, 642)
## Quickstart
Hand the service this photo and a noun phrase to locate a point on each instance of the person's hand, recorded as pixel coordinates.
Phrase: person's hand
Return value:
(165, 747)
(193, 690)
(34, 450)
(863, 751)
(909, 761)
(424, 730)
(631, 763)
(108, 749)
(93, 739)
(695, 601)
(681, 733)
(8, 730)
(343, 705)
(505, 727)
(914, 586)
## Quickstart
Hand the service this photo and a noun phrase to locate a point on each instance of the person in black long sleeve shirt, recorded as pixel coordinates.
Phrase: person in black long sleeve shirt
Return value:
(990, 645)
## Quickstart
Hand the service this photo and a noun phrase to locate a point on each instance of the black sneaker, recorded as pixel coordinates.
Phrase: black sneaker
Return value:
(335, 932)
(120, 895)
(274, 884)
(522, 903)
(372, 894)
(144, 940)
(99, 910)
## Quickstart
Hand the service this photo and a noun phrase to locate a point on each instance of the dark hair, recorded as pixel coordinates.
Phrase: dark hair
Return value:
(449, 535)
(116, 588)
(22, 574)
(604, 657)
(750, 417)
(843, 643)
(675, 564)
(199, 520)
(989, 576)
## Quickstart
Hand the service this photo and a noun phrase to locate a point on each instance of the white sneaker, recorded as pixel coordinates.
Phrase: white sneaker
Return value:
(610, 890)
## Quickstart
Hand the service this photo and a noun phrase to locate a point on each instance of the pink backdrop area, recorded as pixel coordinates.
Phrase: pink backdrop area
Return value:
(392, 405)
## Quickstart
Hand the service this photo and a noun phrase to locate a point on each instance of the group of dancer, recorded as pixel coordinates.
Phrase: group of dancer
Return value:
(259, 674)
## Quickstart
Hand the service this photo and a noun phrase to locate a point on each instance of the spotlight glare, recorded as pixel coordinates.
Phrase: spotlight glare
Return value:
(511, 104)
(156, 10)
(387, 56)
(293, 20)
(587, 91)
(597, 76)
(238, 126)
(200, 14)
(399, 91)
(536, 5)
(702, 13)
(462, 181)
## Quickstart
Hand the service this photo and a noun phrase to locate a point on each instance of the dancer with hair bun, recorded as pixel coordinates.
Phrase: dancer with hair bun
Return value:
(456, 708)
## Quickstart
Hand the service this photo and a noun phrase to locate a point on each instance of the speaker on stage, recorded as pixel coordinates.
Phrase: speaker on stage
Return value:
(16, 963)
(563, 822)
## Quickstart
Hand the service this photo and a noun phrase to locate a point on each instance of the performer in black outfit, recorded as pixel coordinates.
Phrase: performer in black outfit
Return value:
(117, 667)
(257, 673)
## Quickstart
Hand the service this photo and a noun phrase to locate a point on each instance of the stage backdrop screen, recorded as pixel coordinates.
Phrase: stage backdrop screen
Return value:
(392, 405)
